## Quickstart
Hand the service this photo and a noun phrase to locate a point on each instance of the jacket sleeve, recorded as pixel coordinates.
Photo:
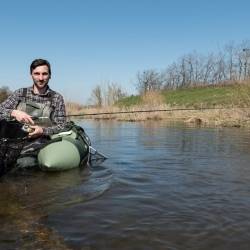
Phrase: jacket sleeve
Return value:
(7, 106)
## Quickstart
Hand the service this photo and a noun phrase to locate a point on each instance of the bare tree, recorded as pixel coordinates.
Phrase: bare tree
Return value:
(149, 80)
(113, 93)
(240, 64)
(107, 94)
(230, 57)
(96, 96)
(171, 77)
(245, 58)
(232, 63)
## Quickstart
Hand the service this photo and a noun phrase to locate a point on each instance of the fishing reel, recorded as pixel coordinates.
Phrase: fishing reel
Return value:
(26, 128)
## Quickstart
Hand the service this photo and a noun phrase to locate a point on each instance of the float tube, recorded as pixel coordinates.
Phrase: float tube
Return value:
(65, 150)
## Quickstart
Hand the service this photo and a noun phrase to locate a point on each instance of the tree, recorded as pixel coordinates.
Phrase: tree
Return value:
(149, 80)
(113, 93)
(232, 63)
(96, 96)
(4, 93)
(107, 94)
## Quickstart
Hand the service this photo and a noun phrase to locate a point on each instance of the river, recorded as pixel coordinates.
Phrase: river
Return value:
(164, 186)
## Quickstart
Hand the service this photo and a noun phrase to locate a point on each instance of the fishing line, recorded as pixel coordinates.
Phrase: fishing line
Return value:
(146, 111)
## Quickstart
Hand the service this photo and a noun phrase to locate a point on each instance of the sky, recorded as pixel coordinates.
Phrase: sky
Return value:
(95, 42)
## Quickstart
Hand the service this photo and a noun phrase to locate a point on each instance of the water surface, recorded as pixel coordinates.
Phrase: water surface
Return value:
(164, 186)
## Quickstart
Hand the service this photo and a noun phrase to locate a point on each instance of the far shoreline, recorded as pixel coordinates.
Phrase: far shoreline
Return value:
(225, 105)
(217, 117)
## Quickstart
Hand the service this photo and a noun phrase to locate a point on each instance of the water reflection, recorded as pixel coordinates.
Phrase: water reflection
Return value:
(164, 186)
(29, 197)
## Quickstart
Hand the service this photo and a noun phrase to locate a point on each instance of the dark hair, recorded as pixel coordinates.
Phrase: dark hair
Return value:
(39, 62)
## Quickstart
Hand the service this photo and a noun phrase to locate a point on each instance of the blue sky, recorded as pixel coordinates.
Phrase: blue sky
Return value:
(90, 42)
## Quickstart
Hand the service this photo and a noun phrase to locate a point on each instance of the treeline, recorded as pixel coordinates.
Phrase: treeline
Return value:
(4, 93)
(229, 65)
(106, 94)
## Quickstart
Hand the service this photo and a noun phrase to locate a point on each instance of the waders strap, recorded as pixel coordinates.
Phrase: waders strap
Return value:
(25, 90)
(50, 94)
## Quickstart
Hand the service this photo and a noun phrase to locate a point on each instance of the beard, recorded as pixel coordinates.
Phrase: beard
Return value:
(41, 84)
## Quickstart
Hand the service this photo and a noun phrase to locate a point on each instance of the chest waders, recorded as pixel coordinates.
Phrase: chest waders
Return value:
(41, 114)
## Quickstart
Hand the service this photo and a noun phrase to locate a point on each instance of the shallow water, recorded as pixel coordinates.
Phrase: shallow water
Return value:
(164, 186)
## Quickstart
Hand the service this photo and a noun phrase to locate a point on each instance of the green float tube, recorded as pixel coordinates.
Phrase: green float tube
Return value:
(65, 151)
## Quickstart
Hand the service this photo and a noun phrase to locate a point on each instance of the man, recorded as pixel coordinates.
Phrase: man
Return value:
(33, 104)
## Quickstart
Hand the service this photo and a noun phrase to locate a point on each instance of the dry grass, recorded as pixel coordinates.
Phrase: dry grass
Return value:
(152, 99)
(74, 108)
(236, 117)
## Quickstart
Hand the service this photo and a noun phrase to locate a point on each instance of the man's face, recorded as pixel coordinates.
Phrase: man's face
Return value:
(40, 76)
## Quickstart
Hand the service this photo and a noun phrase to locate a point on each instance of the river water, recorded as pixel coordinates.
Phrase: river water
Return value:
(164, 186)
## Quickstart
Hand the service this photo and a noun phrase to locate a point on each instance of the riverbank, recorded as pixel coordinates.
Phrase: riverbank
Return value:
(224, 117)
(224, 105)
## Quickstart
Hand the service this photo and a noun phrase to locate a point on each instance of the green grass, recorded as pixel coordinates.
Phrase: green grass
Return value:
(129, 101)
(233, 95)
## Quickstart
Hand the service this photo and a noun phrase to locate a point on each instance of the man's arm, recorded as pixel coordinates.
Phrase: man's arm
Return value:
(8, 106)
(8, 109)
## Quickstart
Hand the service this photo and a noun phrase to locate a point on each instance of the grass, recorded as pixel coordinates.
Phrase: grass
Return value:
(214, 96)
(129, 101)
(233, 95)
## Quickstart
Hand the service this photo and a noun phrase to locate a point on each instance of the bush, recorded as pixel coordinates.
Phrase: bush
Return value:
(4, 93)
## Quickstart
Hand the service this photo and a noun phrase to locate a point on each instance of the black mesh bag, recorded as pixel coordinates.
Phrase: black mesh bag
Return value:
(9, 152)
(12, 139)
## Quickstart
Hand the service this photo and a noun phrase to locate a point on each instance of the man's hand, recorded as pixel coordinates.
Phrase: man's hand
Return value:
(36, 131)
(22, 116)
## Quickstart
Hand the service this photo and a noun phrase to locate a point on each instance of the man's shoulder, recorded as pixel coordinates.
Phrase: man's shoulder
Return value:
(21, 91)
(55, 94)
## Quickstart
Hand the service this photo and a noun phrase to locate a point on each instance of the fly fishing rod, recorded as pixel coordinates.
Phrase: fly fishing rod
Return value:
(144, 111)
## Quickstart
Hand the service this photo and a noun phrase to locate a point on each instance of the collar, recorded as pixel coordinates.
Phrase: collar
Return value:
(46, 93)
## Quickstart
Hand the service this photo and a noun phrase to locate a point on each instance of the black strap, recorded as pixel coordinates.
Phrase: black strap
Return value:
(25, 90)
(51, 94)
